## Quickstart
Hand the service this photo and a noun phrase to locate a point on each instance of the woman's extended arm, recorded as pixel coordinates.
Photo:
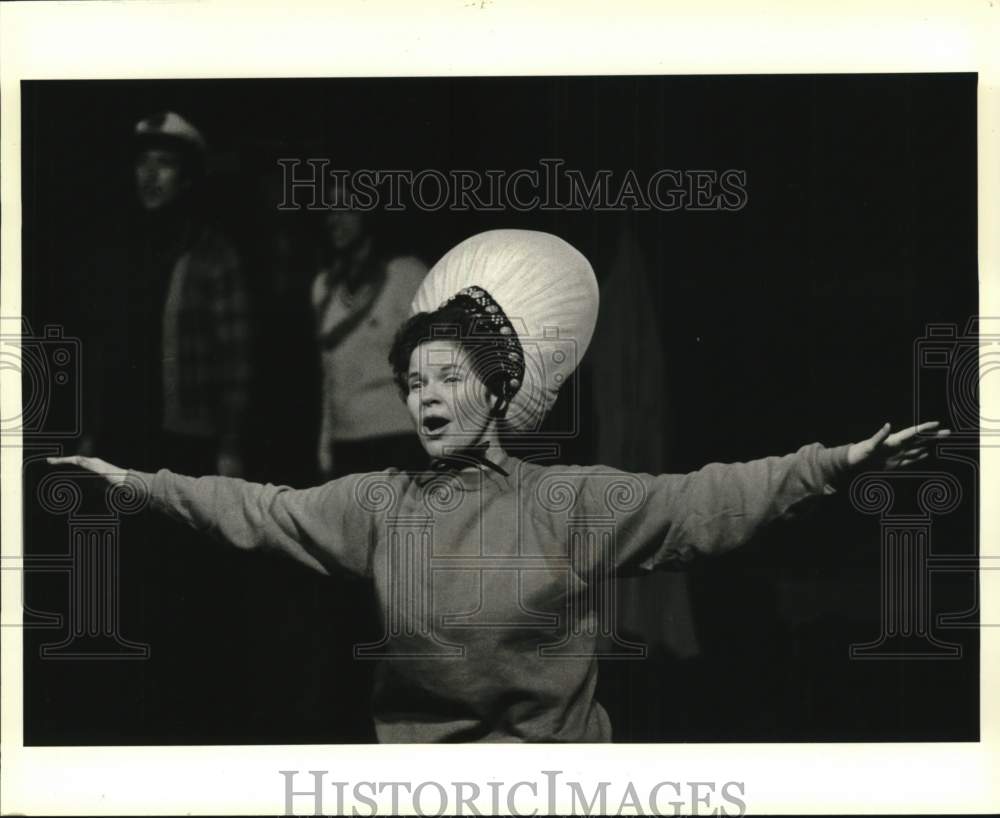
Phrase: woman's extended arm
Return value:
(722, 506)
(324, 528)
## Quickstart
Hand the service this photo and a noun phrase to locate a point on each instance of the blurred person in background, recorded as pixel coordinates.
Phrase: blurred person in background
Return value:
(174, 333)
(360, 296)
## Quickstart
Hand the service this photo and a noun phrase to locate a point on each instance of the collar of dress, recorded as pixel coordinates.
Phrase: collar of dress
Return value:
(470, 469)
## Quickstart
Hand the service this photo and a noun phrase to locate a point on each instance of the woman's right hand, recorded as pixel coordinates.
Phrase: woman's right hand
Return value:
(113, 474)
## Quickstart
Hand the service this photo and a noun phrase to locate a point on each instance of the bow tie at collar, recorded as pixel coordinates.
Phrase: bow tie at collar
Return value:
(462, 460)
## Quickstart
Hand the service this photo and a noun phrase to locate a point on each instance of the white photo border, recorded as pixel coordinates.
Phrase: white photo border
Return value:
(187, 39)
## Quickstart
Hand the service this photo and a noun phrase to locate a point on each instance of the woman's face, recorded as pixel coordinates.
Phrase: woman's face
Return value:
(449, 404)
(345, 228)
(159, 178)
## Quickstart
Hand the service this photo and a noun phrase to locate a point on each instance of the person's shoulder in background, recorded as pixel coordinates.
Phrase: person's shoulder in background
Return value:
(407, 269)
(320, 288)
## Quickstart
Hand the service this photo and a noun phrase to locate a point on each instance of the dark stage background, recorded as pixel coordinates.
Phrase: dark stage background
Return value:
(789, 321)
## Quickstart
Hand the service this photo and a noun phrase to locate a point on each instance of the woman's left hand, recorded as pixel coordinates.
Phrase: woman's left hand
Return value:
(113, 474)
(894, 451)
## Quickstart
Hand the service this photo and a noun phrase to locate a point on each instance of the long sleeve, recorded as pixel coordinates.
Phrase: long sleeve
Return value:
(669, 519)
(325, 528)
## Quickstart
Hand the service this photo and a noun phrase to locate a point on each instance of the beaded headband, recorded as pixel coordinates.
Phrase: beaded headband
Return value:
(494, 321)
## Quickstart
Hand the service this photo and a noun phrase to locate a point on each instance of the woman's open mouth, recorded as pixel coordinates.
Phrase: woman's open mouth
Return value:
(434, 425)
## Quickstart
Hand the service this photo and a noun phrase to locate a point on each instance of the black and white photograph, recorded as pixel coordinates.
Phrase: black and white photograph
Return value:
(629, 410)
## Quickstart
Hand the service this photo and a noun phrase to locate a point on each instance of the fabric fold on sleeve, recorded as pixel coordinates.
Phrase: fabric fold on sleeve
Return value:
(328, 528)
(677, 518)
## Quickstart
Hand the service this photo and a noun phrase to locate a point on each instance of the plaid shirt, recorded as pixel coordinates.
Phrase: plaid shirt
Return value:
(206, 343)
